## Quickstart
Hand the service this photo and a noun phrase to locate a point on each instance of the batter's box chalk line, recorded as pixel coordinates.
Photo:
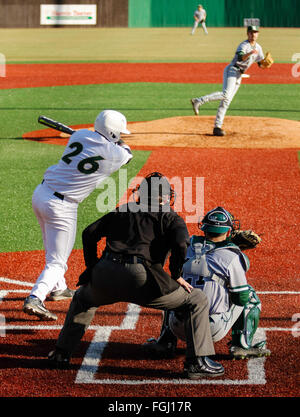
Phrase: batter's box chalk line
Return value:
(91, 361)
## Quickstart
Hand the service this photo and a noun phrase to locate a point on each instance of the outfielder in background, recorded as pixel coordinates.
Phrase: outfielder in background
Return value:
(248, 52)
(88, 159)
(216, 264)
(200, 17)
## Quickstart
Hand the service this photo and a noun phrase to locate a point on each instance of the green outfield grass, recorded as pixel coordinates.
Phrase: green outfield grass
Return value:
(139, 44)
(20, 108)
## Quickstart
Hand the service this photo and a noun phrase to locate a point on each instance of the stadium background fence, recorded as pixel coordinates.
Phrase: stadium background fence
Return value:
(161, 13)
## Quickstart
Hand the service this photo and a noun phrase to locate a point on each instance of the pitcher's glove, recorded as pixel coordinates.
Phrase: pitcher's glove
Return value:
(268, 61)
(245, 239)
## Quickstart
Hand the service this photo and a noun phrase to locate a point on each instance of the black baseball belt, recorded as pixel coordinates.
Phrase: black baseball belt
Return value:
(122, 258)
(242, 71)
(58, 195)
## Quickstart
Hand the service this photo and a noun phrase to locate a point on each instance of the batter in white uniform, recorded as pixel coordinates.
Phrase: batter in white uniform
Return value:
(248, 52)
(88, 159)
(200, 17)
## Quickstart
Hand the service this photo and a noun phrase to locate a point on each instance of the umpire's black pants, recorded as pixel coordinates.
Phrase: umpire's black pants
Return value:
(114, 282)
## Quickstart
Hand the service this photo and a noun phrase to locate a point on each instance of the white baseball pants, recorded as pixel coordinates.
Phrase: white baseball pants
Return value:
(203, 26)
(221, 323)
(232, 78)
(58, 222)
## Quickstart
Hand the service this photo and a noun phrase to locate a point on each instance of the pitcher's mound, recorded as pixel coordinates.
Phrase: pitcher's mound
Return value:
(196, 131)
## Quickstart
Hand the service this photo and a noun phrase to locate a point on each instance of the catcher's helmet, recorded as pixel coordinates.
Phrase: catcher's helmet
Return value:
(155, 188)
(218, 220)
(111, 124)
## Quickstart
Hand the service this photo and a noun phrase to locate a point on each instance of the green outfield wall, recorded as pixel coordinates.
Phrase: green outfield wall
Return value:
(220, 13)
(159, 13)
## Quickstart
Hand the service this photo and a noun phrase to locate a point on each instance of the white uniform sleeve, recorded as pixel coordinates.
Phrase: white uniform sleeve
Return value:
(119, 154)
(260, 55)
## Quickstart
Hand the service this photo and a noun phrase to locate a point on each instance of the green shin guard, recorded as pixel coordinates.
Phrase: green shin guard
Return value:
(246, 325)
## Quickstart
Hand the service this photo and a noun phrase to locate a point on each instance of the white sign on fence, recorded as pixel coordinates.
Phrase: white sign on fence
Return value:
(2, 65)
(250, 21)
(68, 14)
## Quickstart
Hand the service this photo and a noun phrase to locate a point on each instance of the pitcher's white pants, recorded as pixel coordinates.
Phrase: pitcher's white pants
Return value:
(58, 222)
(232, 78)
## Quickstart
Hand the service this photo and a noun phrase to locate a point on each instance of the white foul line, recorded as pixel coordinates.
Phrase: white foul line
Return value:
(93, 355)
(16, 282)
(90, 364)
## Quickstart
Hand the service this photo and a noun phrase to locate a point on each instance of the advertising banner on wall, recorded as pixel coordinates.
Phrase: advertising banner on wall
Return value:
(68, 14)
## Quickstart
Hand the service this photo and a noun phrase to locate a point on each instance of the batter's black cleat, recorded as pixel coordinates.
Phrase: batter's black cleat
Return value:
(218, 132)
(35, 307)
(58, 359)
(202, 367)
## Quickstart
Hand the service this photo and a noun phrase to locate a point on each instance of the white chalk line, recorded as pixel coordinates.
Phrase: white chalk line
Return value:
(30, 284)
(16, 282)
(92, 358)
(89, 368)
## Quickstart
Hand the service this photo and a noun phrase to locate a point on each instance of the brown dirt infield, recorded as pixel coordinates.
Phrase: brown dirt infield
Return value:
(48, 75)
(196, 132)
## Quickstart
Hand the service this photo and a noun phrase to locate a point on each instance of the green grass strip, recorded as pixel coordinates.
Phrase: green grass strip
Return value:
(20, 108)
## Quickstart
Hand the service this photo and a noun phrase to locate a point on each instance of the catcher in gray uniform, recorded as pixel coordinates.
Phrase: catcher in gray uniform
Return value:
(216, 265)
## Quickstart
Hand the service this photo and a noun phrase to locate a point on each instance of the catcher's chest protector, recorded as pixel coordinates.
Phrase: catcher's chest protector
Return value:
(197, 265)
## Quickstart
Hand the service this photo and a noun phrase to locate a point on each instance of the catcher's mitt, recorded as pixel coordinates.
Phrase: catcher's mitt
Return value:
(268, 61)
(245, 239)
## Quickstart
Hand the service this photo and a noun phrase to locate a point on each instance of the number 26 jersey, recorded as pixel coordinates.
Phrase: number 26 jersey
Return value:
(88, 159)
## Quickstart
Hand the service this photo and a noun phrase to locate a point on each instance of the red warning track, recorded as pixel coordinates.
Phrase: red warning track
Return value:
(46, 75)
(260, 188)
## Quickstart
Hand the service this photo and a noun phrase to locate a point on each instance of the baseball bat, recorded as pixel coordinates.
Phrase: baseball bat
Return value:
(55, 125)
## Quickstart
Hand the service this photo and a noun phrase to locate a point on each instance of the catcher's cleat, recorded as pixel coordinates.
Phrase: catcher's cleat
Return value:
(60, 295)
(35, 307)
(256, 351)
(202, 367)
(59, 359)
(161, 349)
(196, 103)
(218, 132)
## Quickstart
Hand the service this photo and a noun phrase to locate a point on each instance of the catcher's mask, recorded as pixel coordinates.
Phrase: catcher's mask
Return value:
(154, 189)
(111, 124)
(218, 220)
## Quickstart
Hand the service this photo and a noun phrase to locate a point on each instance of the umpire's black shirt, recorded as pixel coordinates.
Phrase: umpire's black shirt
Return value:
(148, 235)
